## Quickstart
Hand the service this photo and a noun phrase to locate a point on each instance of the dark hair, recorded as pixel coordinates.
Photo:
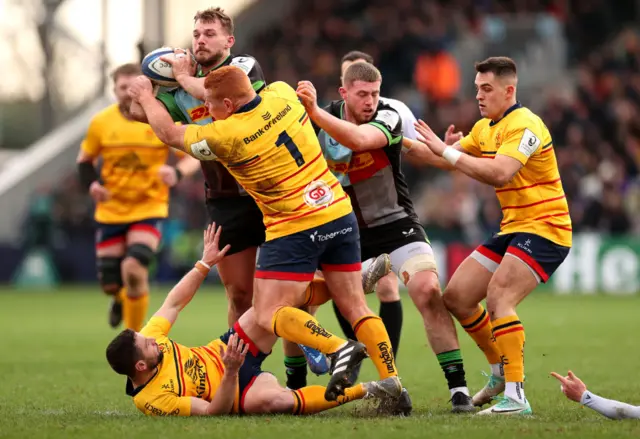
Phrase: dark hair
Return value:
(498, 65)
(122, 353)
(355, 55)
(361, 71)
(213, 14)
(129, 69)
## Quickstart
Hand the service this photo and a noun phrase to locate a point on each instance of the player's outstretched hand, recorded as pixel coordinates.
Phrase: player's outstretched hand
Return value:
(211, 254)
(140, 87)
(234, 355)
(168, 175)
(571, 386)
(181, 63)
(98, 192)
(429, 138)
(450, 137)
(308, 96)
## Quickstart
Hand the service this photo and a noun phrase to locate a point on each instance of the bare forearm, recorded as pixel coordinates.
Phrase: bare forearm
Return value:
(479, 169)
(192, 85)
(343, 132)
(161, 123)
(419, 154)
(222, 402)
(183, 292)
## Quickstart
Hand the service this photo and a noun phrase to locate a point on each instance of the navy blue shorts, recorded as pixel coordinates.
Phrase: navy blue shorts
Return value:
(110, 234)
(334, 246)
(541, 255)
(252, 366)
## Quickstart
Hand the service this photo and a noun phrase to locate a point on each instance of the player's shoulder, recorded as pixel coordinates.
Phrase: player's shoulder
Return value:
(279, 89)
(388, 115)
(397, 105)
(243, 61)
(108, 114)
(523, 117)
(335, 108)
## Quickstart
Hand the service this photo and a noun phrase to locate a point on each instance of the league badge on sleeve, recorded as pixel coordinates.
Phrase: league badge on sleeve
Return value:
(529, 143)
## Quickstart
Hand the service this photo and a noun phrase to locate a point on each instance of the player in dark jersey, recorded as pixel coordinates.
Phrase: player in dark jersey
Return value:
(366, 160)
(228, 205)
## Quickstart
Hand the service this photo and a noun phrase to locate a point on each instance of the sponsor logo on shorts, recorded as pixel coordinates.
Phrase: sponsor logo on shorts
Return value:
(322, 238)
(525, 246)
(318, 194)
(316, 329)
(386, 356)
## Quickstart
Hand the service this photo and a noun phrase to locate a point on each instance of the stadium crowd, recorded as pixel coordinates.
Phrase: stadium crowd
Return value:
(596, 130)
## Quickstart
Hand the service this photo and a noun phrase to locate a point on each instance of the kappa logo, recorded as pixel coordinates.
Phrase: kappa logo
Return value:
(266, 116)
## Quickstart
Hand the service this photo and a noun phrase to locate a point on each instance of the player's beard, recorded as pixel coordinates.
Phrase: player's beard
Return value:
(212, 60)
(159, 359)
(125, 107)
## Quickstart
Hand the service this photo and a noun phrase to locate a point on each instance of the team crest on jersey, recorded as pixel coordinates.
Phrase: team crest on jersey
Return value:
(498, 139)
(318, 194)
(198, 113)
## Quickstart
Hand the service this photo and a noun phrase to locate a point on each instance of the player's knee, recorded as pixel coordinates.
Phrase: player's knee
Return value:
(497, 294)
(109, 275)
(456, 302)
(239, 299)
(133, 273)
(424, 290)
(264, 318)
(387, 289)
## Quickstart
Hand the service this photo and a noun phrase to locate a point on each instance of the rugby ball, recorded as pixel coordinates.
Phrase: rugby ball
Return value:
(160, 71)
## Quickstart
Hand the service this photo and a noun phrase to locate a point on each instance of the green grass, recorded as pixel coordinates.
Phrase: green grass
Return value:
(56, 382)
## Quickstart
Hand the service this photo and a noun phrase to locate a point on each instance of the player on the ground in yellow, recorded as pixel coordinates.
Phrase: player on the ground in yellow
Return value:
(222, 377)
(268, 144)
(535, 233)
(131, 192)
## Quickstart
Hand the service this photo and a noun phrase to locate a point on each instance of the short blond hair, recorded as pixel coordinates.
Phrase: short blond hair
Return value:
(129, 69)
(361, 71)
(213, 14)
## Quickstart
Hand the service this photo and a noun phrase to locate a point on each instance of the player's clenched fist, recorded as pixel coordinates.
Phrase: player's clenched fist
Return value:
(233, 356)
(139, 87)
(211, 254)
(308, 96)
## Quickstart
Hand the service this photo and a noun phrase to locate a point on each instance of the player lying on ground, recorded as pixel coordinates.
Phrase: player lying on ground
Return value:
(225, 376)
(269, 146)
(576, 390)
(361, 138)
(535, 233)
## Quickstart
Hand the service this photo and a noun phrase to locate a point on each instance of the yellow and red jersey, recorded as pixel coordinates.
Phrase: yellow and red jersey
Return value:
(184, 372)
(131, 157)
(269, 146)
(534, 201)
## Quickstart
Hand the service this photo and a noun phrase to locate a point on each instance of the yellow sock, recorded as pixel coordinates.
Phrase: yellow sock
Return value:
(371, 331)
(121, 295)
(310, 399)
(478, 326)
(317, 293)
(509, 335)
(134, 311)
(302, 328)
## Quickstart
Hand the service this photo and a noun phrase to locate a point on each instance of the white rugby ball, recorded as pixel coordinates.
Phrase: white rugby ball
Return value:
(160, 71)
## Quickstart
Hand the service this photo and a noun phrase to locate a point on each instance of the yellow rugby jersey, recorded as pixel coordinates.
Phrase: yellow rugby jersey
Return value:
(534, 201)
(271, 149)
(131, 157)
(183, 373)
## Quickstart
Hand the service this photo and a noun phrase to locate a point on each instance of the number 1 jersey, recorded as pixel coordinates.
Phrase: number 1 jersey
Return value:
(271, 149)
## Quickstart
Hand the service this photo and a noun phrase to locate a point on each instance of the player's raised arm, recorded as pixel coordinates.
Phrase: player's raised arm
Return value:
(497, 172)
(184, 291)
(355, 137)
(141, 91)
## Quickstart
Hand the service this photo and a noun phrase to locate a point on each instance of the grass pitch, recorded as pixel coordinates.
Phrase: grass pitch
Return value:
(56, 382)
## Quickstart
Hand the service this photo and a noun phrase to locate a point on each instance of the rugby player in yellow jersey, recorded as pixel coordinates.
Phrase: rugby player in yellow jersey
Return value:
(132, 197)
(222, 377)
(270, 148)
(512, 150)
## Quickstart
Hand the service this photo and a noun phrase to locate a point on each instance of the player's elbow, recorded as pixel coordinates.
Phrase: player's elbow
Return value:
(501, 177)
